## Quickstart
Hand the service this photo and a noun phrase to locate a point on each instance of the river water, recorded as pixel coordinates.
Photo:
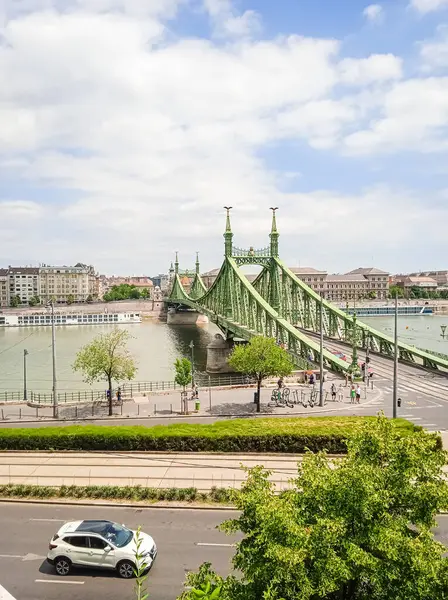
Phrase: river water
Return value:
(155, 346)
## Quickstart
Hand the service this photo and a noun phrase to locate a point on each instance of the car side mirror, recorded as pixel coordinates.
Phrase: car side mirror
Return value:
(107, 548)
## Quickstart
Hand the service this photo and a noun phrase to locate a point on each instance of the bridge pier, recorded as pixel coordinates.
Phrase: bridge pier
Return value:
(218, 351)
(185, 317)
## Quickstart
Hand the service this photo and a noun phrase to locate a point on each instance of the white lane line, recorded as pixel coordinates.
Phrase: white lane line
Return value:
(49, 520)
(416, 418)
(219, 545)
(11, 556)
(57, 581)
(5, 595)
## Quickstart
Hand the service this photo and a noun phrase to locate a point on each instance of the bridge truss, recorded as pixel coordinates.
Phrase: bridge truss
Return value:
(278, 304)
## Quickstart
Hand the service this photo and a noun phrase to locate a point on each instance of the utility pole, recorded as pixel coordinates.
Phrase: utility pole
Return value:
(321, 361)
(192, 363)
(395, 388)
(25, 394)
(53, 350)
(366, 367)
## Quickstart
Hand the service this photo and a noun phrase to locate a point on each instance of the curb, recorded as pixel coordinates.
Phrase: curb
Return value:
(105, 503)
(221, 416)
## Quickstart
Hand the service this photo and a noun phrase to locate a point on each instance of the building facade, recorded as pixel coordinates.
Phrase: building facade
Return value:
(4, 288)
(64, 283)
(23, 283)
(378, 282)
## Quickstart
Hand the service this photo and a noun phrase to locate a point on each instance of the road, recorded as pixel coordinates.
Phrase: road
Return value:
(185, 539)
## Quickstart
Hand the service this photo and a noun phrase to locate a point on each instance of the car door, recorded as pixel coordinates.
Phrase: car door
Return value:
(98, 556)
(78, 549)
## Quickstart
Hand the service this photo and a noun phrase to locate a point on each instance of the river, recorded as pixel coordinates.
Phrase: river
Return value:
(155, 346)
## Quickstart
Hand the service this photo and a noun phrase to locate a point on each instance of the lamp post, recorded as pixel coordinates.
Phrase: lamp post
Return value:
(395, 385)
(25, 394)
(192, 363)
(354, 365)
(321, 360)
(366, 367)
(50, 304)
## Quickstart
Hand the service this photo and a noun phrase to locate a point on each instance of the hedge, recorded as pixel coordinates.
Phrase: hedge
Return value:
(105, 492)
(289, 435)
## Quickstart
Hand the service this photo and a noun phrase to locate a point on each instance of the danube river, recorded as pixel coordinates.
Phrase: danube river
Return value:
(155, 346)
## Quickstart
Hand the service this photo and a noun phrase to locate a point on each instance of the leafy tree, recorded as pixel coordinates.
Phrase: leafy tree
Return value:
(70, 299)
(106, 357)
(134, 294)
(89, 298)
(144, 293)
(371, 295)
(183, 372)
(396, 290)
(34, 301)
(261, 358)
(354, 529)
(15, 301)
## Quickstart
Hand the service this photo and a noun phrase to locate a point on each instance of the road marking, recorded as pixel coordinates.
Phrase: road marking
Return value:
(416, 418)
(5, 595)
(220, 545)
(49, 520)
(11, 556)
(57, 581)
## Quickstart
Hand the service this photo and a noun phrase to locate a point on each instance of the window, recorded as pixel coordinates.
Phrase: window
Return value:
(78, 541)
(97, 543)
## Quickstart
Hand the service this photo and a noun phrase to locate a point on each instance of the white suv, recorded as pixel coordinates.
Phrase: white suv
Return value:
(101, 545)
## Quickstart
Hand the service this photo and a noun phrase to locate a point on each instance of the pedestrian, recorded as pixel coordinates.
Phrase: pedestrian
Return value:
(333, 392)
(346, 379)
(312, 379)
(119, 394)
(352, 394)
(306, 377)
(358, 394)
(340, 393)
(280, 383)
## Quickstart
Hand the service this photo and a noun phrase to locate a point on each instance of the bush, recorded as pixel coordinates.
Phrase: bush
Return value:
(291, 435)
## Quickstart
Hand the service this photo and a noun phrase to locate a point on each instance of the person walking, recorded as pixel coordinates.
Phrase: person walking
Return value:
(358, 394)
(340, 393)
(352, 394)
(119, 395)
(333, 392)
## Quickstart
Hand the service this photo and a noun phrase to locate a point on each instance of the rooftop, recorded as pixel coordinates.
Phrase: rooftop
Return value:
(348, 277)
(307, 270)
(367, 271)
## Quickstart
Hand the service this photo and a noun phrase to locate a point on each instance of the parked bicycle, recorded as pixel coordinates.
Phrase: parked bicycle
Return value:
(280, 397)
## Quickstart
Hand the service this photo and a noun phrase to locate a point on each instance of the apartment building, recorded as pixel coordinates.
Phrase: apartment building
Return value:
(4, 288)
(63, 282)
(378, 281)
(23, 283)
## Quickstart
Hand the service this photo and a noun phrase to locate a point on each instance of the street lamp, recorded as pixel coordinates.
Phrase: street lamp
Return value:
(321, 357)
(50, 304)
(395, 383)
(192, 363)
(25, 354)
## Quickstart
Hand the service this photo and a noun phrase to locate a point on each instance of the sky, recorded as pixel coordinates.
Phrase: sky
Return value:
(127, 125)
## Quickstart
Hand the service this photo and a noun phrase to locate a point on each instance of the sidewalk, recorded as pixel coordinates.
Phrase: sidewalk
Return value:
(202, 471)
(223, 402)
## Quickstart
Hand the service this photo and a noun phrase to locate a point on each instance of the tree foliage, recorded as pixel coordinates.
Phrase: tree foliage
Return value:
(356, 530)
(107, 357)
(124, 291)
(34, 301)
(70, 299)
(396, 290)
(15, 301)
(183, 374)
(261, 358)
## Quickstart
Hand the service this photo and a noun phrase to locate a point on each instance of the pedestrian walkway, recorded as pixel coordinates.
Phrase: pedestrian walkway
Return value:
(212, 402)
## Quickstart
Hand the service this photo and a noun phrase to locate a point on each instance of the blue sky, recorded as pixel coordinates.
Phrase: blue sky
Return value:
(127, 125)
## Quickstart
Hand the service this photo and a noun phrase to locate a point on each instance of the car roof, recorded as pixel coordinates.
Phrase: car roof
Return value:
(86, 526)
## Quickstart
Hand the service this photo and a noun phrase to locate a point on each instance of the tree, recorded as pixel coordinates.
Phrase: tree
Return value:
(34, 301)
(106, 357)
(261, 358)
(183, 377)
(371, 295)
(89, 298)
(134, 293)
(145, 293)
(396, 290)
(354, 529)
(15, 301)
(70, 299)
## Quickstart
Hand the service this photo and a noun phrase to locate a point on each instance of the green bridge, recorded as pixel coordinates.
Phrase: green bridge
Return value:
(279, 305)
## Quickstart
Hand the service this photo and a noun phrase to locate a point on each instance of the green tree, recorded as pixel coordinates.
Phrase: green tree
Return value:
(34, 301)
(371, 295)
(396, 290)
(89, 298)
(107, 357)
(134, 293)
(15, 301)
(70, 299)
(354, 529)
(144, 293)
(261, 358)
(183, 372)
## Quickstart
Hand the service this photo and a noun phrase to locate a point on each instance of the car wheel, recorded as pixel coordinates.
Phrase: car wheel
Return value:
(62, 565)
(125, 569)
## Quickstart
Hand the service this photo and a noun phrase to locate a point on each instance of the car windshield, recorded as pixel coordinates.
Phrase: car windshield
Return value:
(118, 535)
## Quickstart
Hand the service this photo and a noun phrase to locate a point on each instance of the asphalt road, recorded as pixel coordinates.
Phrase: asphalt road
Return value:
(185, 539)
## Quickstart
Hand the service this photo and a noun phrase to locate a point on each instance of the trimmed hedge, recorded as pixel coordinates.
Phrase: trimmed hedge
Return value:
(288, 435)
(105, 492)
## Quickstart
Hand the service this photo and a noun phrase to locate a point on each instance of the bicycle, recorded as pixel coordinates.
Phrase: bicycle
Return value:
(303, 399)
(280, 397)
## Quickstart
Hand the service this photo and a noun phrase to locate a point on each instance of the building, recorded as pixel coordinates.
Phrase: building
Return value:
(139, 282)
(314, 279)
(441, 277)
(4, 288)
(343, 288)
(378, 281)
(408, 282)
(23, 283)
(64, 283)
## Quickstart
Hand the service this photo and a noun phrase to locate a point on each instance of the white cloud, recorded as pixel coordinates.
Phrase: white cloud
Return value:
(374, 69)
(426, 6)
(434, 53)
(373, 13)
(228, 23)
